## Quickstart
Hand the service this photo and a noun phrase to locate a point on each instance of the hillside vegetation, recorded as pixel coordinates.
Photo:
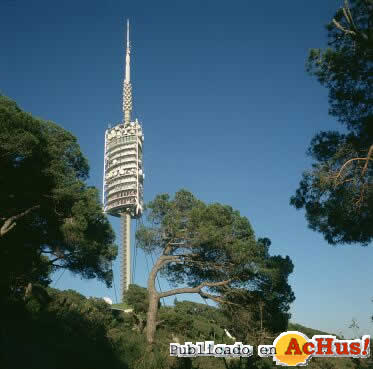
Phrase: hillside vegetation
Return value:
(63, 329)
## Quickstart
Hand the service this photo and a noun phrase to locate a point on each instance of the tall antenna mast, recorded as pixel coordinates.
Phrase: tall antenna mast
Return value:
(123, 190)
(127, 87)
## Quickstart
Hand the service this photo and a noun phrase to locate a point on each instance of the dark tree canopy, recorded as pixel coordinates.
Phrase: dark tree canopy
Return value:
(337, 193)
(49, 217)
(263, 309)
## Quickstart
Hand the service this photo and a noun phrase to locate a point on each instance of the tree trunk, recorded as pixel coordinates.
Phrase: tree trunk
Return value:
(154, 295)
(151, 323)
(28, 291)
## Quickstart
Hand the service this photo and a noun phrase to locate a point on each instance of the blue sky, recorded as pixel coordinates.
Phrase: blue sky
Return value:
(227, 109)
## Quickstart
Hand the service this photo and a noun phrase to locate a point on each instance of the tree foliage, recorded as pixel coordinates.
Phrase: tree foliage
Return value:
(210, 249)
(54, 329)
(190, 320)
(337, 194)
(49, 218)
(63, 329)
(137, 297)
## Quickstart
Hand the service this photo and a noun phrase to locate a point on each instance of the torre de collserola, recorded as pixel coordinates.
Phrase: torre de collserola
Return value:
(123, 171)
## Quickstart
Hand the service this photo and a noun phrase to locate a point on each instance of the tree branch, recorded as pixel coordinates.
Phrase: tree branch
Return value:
(214, 298)
(344, 30)
(10, 223)
(224, 267)
(197, 289)
(348, 16)
(370, 153)
(161, 262)
(367, 159)
(159, 322)
(167, 249)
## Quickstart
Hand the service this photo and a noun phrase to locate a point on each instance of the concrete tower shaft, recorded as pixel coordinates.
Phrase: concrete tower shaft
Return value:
(123, 171)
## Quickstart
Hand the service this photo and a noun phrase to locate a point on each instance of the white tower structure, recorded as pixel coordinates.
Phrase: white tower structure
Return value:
(123, 171)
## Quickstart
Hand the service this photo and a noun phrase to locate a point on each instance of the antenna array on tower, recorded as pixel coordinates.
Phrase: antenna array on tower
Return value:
(123, 170)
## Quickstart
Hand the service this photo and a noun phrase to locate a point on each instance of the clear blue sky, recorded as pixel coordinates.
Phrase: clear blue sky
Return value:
(227, 109)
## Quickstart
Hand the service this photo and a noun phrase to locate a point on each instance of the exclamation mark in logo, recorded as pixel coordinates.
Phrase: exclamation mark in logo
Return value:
(366, 340)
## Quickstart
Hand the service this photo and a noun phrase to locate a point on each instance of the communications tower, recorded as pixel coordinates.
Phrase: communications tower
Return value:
(123, 171)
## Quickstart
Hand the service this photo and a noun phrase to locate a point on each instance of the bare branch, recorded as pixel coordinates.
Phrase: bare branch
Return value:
(161, 262)
(10, 223)
(356, 176)
(167, 249)
(348, 16)
(197, 289)
(370, 153)
(186, 256)
(347, 163)
(159, 322)
(215, 298)
(344, 30)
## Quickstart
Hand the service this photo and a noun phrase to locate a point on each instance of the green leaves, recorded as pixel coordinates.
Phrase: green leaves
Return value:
(44, 170)
(137, 298)
(337, 193)
(211, 243)
(194, 321)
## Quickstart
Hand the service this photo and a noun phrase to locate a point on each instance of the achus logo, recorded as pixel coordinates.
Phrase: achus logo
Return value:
(294, 348)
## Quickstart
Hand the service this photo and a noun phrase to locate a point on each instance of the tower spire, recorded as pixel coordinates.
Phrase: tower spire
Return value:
(127, 87)
(123, 189)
